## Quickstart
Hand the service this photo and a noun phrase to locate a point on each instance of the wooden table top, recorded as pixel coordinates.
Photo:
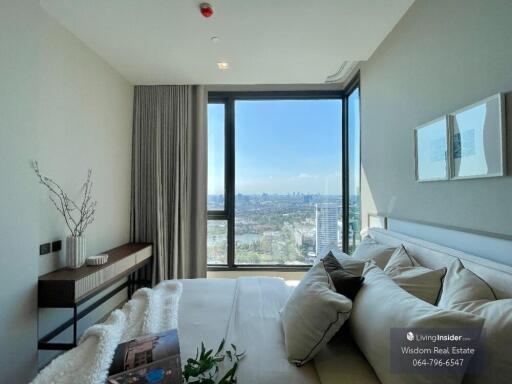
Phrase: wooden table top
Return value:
(114, 255)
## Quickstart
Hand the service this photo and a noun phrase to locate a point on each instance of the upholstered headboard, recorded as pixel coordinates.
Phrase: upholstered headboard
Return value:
(432, 255)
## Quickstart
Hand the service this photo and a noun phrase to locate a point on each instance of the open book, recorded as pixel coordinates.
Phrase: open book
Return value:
(148, 359)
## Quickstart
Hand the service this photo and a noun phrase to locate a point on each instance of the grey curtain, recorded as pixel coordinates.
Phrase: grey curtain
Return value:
(169, 178)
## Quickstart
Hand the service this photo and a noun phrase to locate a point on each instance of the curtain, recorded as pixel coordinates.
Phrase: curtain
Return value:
(169, 178)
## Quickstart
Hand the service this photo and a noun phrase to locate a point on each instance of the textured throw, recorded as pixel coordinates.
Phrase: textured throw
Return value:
(149, 311)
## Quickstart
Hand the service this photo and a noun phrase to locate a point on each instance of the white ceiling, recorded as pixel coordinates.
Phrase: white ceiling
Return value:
(265, 41)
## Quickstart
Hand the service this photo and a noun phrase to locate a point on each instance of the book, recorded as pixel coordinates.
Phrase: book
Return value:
(152, 359)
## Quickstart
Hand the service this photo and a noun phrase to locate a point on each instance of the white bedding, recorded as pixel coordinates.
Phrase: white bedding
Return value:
(245, 312)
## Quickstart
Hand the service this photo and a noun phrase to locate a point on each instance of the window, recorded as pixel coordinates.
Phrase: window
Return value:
(277, 173)
(216, 157)
(287, 180)
(354, 169)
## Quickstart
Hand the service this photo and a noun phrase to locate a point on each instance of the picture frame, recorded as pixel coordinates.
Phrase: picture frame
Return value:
(431, 147)
(478, 139)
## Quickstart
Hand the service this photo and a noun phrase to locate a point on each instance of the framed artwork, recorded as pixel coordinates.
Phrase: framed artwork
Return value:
(477, 139)
(431, 149)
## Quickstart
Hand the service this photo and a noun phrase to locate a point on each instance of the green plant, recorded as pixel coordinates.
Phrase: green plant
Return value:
(204, 369)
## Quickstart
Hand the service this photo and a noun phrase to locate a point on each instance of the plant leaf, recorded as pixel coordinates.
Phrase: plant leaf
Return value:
(221, 346)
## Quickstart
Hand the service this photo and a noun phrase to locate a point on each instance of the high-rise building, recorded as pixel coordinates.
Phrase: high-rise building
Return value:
(326, 227)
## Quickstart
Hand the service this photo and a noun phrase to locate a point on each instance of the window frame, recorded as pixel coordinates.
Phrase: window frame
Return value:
(228, 98)
(353, 85)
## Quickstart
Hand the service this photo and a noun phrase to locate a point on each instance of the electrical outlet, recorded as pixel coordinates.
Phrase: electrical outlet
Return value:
(44, 249)
(56, 246)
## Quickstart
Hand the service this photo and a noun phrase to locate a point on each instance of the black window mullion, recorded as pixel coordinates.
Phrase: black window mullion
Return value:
(230, 178)
(344, 175)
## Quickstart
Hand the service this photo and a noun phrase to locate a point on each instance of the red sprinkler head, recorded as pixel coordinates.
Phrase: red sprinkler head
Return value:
(206, 9)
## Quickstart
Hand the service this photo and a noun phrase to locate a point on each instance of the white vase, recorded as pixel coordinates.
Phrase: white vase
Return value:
(75, 251)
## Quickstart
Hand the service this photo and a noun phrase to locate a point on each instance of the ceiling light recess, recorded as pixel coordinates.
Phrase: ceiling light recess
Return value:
(223, 65)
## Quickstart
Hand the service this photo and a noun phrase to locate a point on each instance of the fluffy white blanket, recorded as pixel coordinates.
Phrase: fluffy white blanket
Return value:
(149, 311)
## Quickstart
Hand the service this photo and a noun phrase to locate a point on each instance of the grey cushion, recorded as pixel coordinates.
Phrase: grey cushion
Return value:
(312, 315)
(465, 291)
(422, 282)
(370, 249)
(381, 305)
(345, 282)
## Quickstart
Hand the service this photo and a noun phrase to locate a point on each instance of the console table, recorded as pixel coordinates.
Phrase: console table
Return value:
(69, 288)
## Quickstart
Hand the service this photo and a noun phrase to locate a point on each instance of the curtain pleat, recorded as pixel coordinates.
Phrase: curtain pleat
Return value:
(169, 178)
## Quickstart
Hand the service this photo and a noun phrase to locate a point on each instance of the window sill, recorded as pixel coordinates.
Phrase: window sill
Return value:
(281, 268)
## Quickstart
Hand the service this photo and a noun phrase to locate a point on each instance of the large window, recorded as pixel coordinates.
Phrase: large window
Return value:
(276, 182)
(354, 170)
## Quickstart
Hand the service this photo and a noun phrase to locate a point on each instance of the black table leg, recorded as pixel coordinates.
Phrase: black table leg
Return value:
(75, 324)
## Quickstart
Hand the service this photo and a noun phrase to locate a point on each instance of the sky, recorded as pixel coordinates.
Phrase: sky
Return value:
(281, 146)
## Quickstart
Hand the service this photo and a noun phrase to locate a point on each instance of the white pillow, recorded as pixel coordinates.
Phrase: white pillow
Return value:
(419, 281)
(381, 305)
(465, 291)
(370, 249)
(312, 315)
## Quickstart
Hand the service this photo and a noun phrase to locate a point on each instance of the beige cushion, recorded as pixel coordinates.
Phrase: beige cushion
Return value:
(422, 282)
(463, 285)
(401, 259)
(381, 305)
(369, 249)
(312, 315)
(465, 291)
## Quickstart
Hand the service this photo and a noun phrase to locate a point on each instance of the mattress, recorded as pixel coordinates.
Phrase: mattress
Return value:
(341, 361)
(245, 312)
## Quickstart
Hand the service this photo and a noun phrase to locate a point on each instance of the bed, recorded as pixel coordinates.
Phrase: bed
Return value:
(246, 312)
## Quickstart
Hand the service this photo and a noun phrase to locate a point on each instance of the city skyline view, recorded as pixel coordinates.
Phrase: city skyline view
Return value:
(282, 228)
(287, 182)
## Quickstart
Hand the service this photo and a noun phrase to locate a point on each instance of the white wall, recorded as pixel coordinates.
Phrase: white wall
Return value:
(442, 55)
(18, 224)
(64, 106)
(85, 117)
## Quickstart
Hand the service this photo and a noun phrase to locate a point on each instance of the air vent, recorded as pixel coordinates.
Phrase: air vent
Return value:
(342, 73)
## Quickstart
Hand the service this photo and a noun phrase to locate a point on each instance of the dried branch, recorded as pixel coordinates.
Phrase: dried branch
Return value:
(77, 216)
